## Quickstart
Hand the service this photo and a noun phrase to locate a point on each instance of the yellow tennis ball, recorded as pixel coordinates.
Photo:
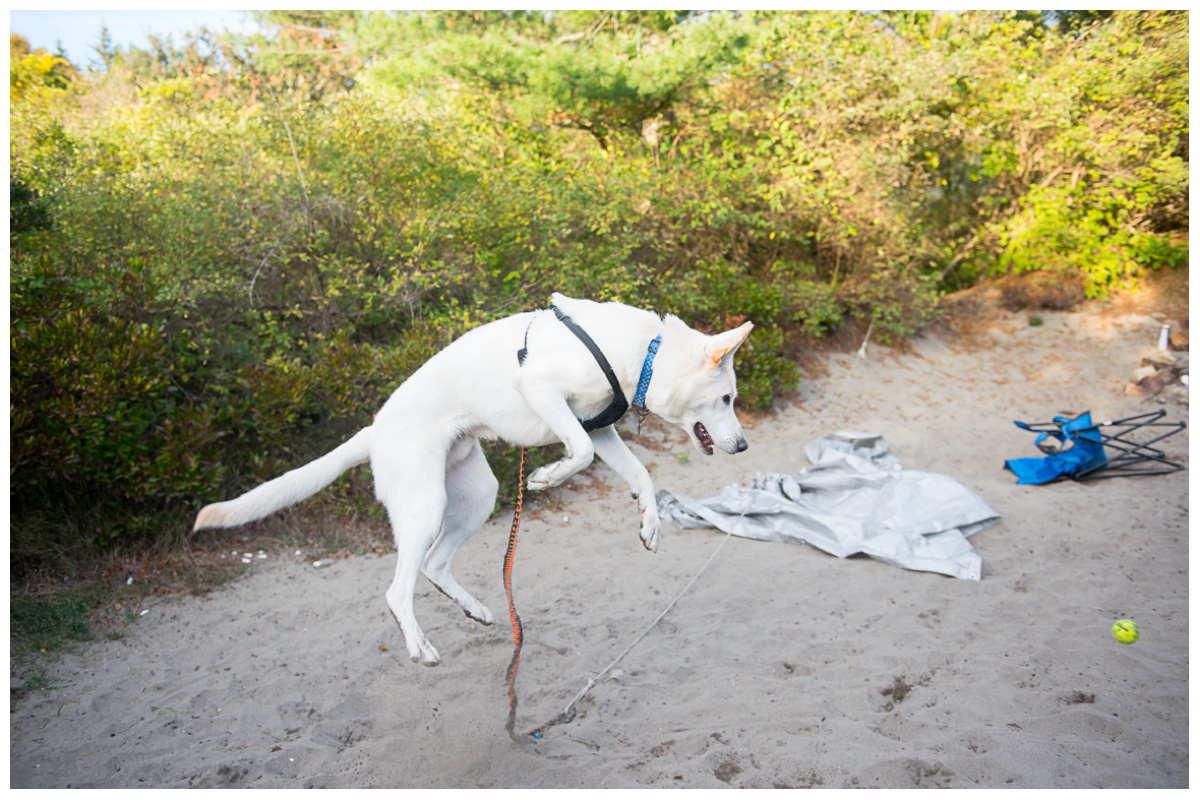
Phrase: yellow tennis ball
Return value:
(1126, 631)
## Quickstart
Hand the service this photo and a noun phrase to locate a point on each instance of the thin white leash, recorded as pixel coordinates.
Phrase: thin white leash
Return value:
(592, 681)
(859, 356)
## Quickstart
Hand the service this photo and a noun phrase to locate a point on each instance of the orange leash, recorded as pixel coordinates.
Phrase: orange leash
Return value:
(512, 609)
(568, 714)
(518, 632)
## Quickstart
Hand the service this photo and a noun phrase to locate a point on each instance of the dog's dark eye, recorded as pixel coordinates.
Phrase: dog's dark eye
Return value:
(728, 399)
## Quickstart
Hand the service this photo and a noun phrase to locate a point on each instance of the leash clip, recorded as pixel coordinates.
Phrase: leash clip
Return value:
(642, 413)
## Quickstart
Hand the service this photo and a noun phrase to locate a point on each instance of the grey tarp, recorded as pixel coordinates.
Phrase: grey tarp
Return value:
(856, 498)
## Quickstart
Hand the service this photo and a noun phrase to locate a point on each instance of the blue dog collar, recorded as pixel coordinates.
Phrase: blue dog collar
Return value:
(639, 397)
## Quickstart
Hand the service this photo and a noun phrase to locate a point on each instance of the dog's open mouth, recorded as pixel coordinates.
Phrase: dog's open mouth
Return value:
(703, 438)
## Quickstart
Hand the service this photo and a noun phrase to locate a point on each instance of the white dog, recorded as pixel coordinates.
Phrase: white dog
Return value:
(424, 450)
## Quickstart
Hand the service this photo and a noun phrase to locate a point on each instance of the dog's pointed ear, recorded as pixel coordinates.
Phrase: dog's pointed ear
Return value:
(720, 348)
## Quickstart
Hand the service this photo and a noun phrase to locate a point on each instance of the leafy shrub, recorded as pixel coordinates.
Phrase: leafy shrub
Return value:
(224, 256)
(1091, 239)
(1158, 252)
(896, 304)
(763, 371)
(26, 211)
(811, 304)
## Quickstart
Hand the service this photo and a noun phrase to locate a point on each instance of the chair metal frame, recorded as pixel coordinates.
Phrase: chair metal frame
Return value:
(1133, 453)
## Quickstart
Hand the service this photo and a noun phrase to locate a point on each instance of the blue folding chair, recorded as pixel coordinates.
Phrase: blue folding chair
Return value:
(1075, 448)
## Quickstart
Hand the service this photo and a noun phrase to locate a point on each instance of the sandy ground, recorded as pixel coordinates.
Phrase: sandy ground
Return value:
(781, 667)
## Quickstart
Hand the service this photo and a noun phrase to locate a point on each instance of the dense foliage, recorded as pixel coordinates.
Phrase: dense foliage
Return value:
(225, 254)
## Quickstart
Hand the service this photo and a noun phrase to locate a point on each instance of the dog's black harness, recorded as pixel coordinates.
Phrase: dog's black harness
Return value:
(619, 405)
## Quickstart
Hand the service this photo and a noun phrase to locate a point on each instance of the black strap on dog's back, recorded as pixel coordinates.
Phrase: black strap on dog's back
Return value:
(619, 405)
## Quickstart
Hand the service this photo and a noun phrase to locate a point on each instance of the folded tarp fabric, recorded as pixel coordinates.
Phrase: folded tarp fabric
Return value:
(856, 498)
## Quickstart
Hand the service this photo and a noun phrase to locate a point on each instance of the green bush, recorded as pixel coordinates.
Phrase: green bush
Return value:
(224, 256)
(96, 407)
(1089, 237)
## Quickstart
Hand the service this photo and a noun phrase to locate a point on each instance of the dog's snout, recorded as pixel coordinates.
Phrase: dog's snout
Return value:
(741, 444)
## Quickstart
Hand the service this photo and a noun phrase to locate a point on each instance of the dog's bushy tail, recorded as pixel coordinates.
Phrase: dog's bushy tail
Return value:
(289, 488)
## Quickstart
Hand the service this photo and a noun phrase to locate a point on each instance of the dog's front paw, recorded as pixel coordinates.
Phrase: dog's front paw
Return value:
(651, 528)
(543, 477)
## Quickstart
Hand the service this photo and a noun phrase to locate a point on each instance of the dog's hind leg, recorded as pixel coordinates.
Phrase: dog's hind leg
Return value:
(470, 498)
(414, 492)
